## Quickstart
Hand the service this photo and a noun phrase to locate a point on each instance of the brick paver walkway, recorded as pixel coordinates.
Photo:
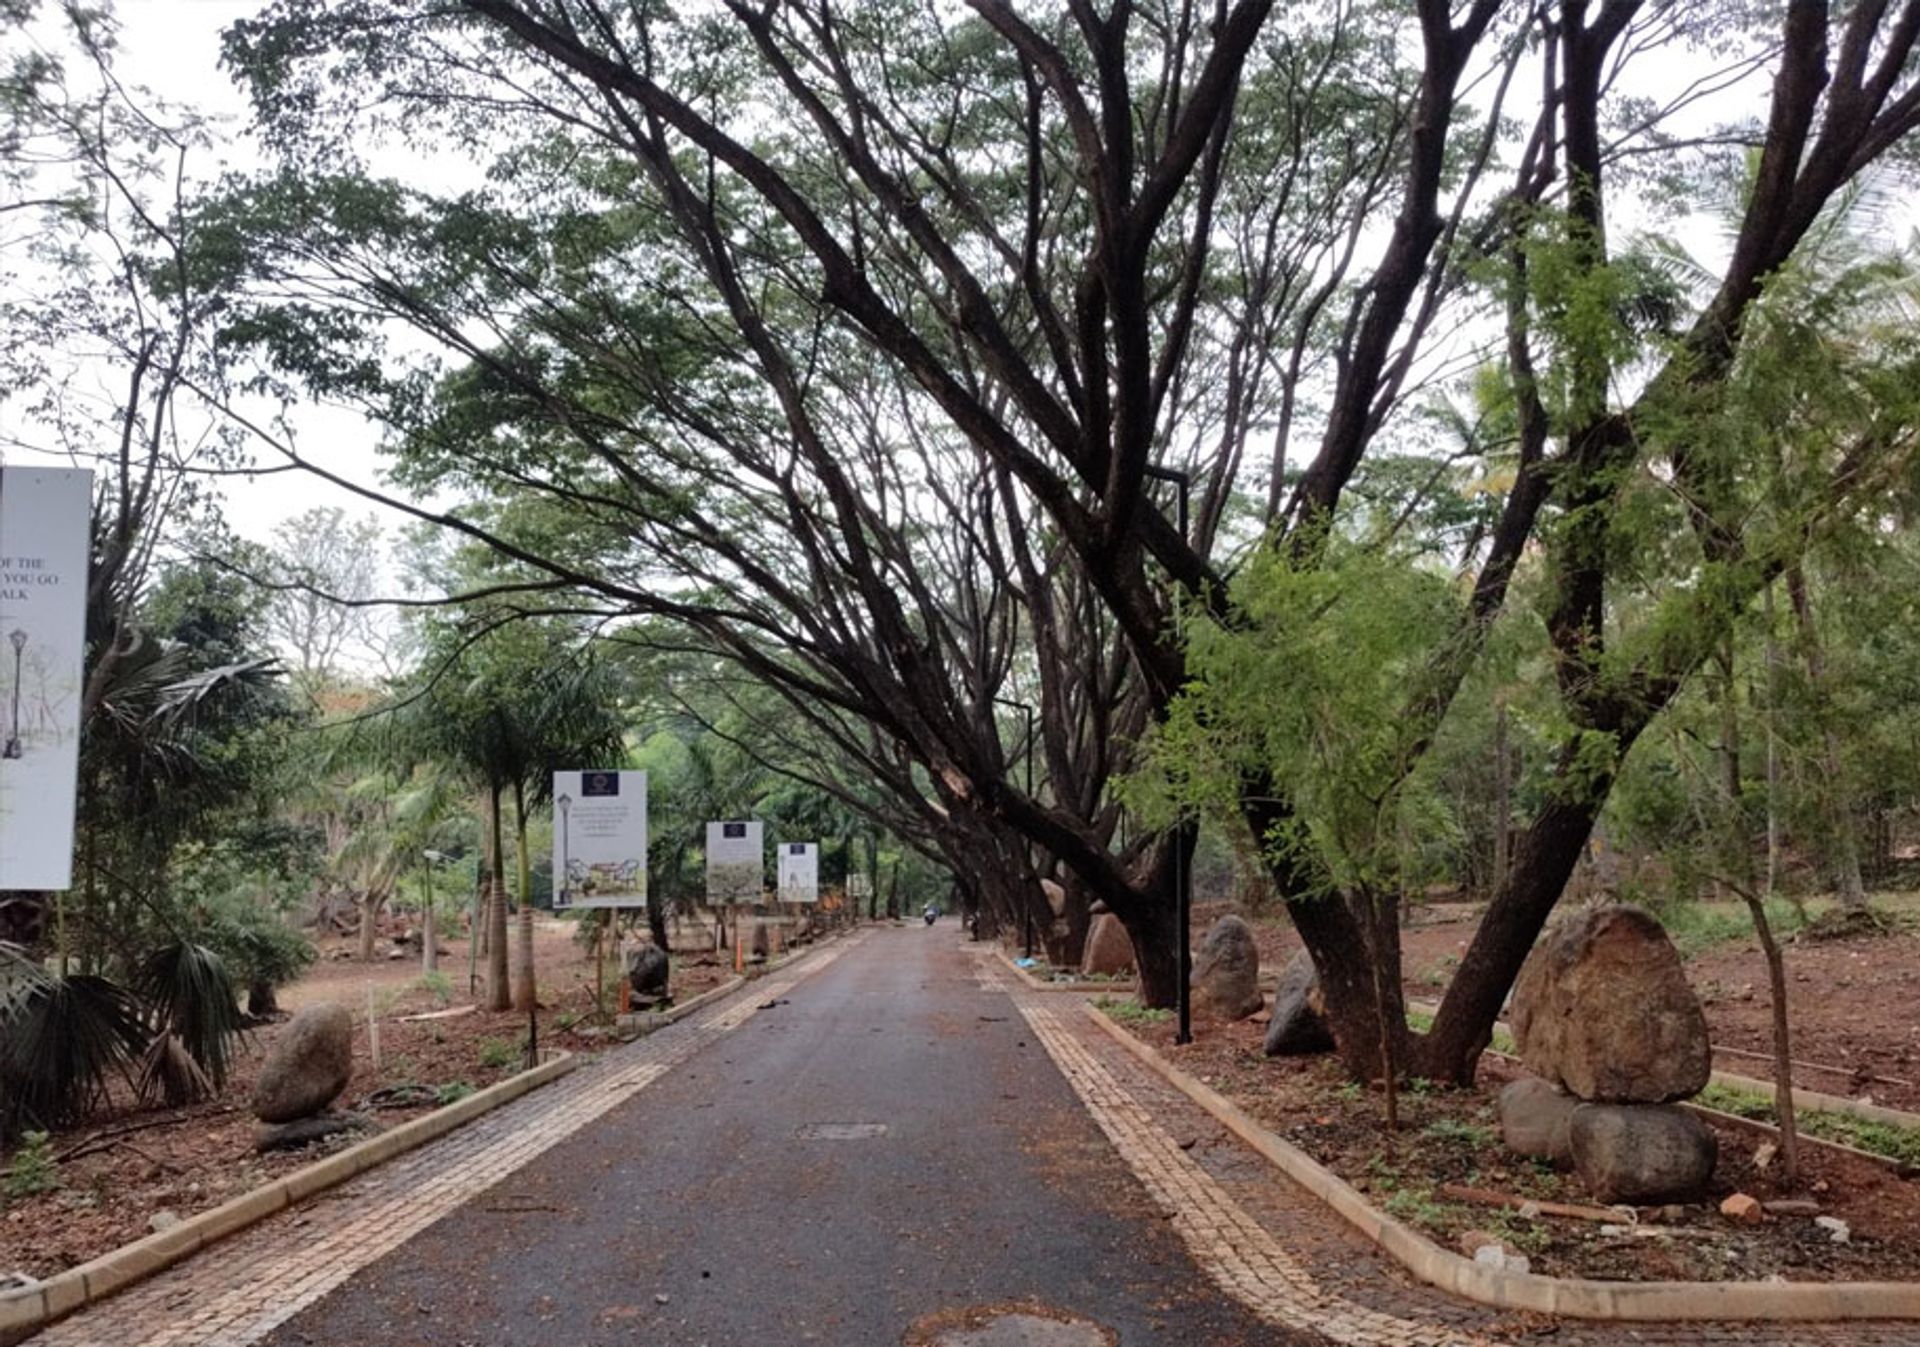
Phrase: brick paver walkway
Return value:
(1280, 1252)
(236, 1292)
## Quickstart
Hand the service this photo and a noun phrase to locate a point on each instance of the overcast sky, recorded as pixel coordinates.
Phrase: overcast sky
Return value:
(173, 48)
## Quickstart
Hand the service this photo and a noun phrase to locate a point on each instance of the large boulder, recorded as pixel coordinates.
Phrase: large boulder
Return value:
(1299, 1023)
(647, 968)
(308, 1066)
(1109, 947)
(1536, 1119)
(1056, 895)
(1602, 1007)
(1639, 1153)
(1226, 971)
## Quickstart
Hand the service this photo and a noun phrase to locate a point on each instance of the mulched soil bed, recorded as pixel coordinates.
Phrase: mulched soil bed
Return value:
(1451, 1137)
(129, 1162)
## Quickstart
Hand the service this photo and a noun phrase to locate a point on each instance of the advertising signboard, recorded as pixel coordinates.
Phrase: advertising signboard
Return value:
(599, 839)
(45, 515)
(799, 872)
(736, 862)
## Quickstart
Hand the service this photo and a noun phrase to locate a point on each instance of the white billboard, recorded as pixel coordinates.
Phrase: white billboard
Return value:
(599, 839)
(45, 517)
(736, 862)
(799, 872)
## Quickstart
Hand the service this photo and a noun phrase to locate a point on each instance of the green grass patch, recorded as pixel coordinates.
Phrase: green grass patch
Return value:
(1698, 928)
(1879, 1138)
(499, 1052)
(1130, 1011)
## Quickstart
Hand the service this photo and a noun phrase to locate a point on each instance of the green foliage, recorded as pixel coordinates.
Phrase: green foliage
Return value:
(1309, 689)
(1129, 1011)
(60, 1040)
(190, 997)
(32, 1169)
(1881, 1138)
(1457, 1131)
(452, 1092)
(436, 984)
(497, 1053)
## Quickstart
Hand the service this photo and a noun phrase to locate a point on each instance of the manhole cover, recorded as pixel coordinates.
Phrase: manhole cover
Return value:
(841, 1131)
(1036, 1326)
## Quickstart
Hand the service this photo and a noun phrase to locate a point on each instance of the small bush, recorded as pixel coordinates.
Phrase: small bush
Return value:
(452, 1092)
(437, 985)
(33, 1169)
(499, 1052)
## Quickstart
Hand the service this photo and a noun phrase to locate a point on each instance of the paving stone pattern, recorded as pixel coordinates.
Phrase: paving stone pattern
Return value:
(1280, 1252)
(236, 1292)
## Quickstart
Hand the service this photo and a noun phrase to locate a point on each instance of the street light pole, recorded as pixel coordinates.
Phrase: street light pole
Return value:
(1182, 867)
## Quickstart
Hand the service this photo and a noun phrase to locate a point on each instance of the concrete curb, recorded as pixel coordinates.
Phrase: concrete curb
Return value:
(1570, 1297)
(32, 1308)
(1033, 983)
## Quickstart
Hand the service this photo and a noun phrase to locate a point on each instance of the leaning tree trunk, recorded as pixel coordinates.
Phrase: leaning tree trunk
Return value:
(1335, 933)
(498, 995)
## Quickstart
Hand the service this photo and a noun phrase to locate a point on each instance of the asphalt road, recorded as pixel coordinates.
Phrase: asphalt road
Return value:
(890, 1144)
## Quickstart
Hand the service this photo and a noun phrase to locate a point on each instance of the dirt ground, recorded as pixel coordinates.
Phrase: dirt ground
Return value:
(1855, 1003)
(129, 1163)
(1450, 1137)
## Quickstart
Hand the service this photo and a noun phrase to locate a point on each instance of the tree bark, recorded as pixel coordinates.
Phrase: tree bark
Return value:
(526, 991)
(498, 995)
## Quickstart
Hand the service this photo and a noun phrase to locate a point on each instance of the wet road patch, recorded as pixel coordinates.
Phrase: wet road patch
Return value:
(1028, 1325)
(841, 1131)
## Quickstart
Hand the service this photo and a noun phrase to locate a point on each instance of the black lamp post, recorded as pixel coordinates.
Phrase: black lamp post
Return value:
(1027, 710)
(1182, 869)
(15, 746)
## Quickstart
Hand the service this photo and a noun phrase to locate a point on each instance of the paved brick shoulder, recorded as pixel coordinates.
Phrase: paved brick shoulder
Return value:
(1279, 1251)
(237, 1291)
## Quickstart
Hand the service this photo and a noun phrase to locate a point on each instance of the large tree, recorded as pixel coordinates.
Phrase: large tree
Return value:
(1016, 227)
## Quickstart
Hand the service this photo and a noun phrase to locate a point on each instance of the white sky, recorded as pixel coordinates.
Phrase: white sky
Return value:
(173, 48)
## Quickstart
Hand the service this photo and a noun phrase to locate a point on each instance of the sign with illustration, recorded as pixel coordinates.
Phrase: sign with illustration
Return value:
(736, 861)
(45, 515)
(599, 839)
(799, 872)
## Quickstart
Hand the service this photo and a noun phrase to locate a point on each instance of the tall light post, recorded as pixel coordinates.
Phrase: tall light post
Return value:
(1026, 710)
(430, 934)
(16, 746)
(1182, 869)
(565, 804)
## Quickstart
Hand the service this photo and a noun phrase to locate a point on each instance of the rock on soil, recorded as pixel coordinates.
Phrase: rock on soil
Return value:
(1641, 1153)
(1226, 971)
(647, 969)
(1109, 948)
(308, 1066)
(1603, 1008)
(1536, 1118)
(1299, 1023)
(306, 1131)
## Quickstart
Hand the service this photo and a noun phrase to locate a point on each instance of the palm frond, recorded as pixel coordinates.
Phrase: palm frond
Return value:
(191, 997)
(170, 1076)
(59, 1044)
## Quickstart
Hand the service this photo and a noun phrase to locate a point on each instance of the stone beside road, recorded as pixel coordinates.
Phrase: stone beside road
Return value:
(1535, 1119)
(1226, 971)
(1298, 1027)
(1602, 1008)
(1640, 1152)
(1109, 948)
(308, 1067)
